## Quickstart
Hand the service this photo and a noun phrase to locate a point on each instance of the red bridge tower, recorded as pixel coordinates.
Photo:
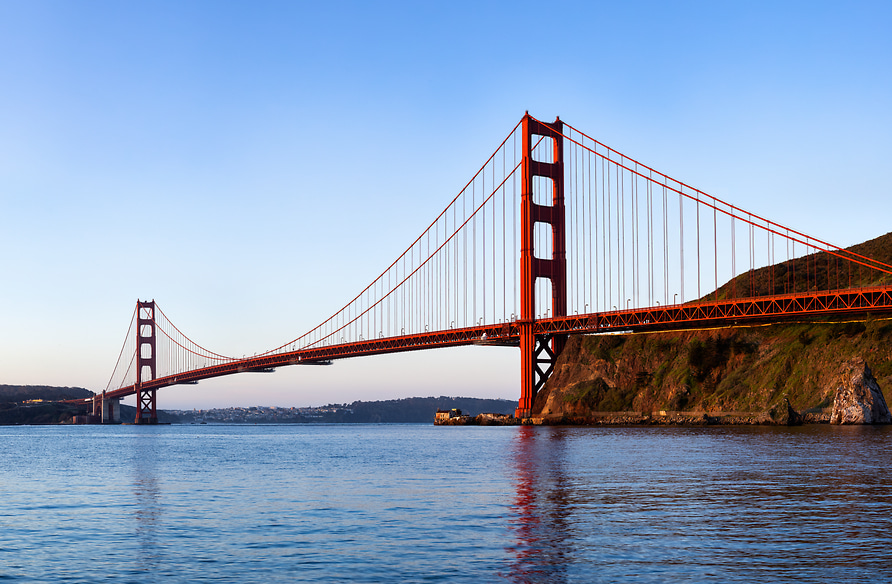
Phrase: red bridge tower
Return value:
(539, 352)
(145, 362)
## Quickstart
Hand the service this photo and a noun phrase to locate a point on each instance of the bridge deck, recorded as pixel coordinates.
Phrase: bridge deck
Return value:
(739, 311)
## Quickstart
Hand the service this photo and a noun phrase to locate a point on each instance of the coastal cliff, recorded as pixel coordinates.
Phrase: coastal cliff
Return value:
(748, 374)
(758, 374)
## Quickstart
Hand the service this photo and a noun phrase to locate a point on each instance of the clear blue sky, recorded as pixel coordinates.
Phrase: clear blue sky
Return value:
(253, 165)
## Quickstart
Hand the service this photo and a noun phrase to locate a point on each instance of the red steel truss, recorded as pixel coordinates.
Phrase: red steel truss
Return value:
(596, 228)
(854, 303)
(146, 350)
(537, 351)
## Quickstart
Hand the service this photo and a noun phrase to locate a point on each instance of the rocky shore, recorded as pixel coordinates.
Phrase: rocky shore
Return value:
(767, 418)
(777, 374)
(681, 419)
(856, 398)
(457, 419)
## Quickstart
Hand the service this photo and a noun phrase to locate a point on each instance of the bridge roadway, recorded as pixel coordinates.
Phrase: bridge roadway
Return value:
(693, 315)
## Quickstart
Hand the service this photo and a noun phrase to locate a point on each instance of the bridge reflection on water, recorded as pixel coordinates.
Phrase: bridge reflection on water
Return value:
(686, 504)
(406, 503)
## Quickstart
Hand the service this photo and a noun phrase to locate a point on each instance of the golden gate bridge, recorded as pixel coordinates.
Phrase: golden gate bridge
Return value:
(555, 234)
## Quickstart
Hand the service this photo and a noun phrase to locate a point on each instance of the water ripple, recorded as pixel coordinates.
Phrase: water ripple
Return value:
(417, 503)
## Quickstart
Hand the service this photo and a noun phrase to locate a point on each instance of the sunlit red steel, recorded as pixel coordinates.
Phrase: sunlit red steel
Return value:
(538, 353)
(146, 352)
(854, 303)
(161, 349)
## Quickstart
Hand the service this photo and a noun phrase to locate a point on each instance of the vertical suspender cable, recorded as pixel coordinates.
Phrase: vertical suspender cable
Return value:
(681, 241)
(697, 233)
(593, 223)
(609, 239)
(715, 251)
(621, 233)
(665, 246)
(733, 260)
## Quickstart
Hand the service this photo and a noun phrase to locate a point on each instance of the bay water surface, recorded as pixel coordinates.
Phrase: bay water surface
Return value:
(419, 503)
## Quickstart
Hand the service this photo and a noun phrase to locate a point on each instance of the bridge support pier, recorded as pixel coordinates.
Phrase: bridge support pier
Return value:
(107, 410)
(540, 351)
(111, 411)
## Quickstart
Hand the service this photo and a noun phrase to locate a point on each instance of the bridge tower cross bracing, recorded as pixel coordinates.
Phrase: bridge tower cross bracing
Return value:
(146, 412)
(539, 352)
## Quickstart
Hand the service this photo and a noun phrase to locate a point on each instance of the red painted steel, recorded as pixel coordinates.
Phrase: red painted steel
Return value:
(540, 340)
(850, 303)
(146, 346)
(532, 267)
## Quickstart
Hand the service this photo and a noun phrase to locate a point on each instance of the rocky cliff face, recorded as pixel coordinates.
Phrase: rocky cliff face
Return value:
(743, 370)
(858, 398)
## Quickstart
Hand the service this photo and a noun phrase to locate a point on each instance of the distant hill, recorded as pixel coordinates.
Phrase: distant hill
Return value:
(14, 410)
(20, 393)
(422, 409)
(407, 410)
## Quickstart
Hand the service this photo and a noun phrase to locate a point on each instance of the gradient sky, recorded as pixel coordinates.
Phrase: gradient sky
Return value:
(252, 165)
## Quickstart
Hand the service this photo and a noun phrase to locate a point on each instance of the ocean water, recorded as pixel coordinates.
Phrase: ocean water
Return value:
(418, 503)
